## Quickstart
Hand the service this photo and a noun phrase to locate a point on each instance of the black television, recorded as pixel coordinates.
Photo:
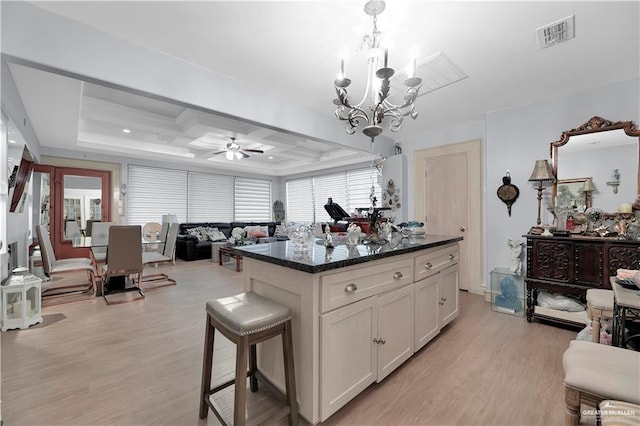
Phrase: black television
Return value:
(19, 181)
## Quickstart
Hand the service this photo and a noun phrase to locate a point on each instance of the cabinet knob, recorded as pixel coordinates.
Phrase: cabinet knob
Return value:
(451, 256)
(428, 265)
(440, 303)
(379, 341)
(397, 275)
(350, 288)
(462, 229)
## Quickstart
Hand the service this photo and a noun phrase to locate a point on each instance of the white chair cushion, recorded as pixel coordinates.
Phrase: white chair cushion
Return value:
(600, 299)
(247, 313)
(607, 371)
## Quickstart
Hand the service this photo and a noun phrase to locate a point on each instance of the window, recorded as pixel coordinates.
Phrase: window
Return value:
(252, 200)
(299, 200)
(210, 198)
(153, 192)
(195, 197)
(306, 197)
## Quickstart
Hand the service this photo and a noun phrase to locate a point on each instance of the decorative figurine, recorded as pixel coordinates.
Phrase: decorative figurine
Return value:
(516, 251)
(353, 234)
(328, 241)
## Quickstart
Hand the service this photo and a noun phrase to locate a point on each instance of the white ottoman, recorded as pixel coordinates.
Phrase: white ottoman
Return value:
(215, 250)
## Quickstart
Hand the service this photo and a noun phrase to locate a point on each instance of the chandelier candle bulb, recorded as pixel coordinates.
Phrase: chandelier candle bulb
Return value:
(342, 74)
(386, 57)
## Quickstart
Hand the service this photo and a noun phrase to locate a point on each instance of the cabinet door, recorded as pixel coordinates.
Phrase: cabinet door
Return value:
(348, 356)
(426, 310)
(448, 295)
(588, 266)
(621, 256)
(551, 260)
(395, 329)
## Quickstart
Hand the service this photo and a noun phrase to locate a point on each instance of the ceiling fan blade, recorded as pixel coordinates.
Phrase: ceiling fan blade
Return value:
(259, 151)
(219, 152)
(244, 154)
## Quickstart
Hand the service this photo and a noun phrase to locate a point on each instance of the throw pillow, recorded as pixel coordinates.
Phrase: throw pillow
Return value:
(214, 234)
(257, 231)
(196, 232)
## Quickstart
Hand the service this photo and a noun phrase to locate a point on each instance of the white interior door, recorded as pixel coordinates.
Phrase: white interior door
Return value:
(448, 196)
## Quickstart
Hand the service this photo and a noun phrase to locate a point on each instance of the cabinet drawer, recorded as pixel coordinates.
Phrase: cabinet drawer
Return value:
(435, 261)
(347, 287)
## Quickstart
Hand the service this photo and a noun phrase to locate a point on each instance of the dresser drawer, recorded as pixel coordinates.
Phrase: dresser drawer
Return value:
(430, 263)
(347, 287)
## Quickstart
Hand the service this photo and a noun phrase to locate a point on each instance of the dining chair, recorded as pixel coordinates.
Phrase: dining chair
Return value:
(164, 253)
(123, 263)
(53, 266)
(72, 229)
(99, 243)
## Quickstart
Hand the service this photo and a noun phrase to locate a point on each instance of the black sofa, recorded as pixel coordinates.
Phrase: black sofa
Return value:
(189, 247)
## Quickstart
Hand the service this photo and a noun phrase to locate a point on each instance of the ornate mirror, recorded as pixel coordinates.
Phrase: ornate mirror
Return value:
(597, 164)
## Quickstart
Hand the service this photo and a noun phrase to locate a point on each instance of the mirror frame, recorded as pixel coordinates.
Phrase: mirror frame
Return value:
(595, 125)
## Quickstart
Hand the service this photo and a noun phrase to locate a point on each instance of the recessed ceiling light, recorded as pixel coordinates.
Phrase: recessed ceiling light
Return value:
(270, 157)
(126, 131)
(12, 141)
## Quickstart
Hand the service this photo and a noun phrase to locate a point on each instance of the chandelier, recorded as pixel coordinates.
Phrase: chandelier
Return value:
(378, 87)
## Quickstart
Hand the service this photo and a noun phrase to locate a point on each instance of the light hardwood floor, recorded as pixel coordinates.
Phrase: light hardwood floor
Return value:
(139, 363)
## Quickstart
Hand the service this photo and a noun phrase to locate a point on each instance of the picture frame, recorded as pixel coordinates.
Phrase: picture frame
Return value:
(570, 193)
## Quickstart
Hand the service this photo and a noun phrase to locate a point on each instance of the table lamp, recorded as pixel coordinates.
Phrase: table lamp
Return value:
(588, 188)
(542, 172)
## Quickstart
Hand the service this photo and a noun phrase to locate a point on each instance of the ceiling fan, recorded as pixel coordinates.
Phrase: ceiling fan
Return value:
(233, 150)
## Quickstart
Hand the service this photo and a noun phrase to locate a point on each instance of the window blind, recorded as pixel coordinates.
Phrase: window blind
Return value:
(153, 192)
(210, 197)
(306, 197)
(299, 199)
(252, 200)
(332, 186)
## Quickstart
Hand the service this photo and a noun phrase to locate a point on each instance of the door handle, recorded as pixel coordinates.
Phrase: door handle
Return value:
(350, 288)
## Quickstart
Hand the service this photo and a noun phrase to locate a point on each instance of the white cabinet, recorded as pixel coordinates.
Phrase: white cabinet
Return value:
(427, 324)
(436, 293)
(353, 325)
(448, 295)
(348, 361)
(394, 340)
(363, 342)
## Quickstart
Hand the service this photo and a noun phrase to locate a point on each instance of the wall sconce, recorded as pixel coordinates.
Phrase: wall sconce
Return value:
(542, 172)
(123, 189)
(588, 188)
(615, 180)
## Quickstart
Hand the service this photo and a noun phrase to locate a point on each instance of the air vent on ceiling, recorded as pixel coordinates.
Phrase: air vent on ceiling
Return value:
(557, 32)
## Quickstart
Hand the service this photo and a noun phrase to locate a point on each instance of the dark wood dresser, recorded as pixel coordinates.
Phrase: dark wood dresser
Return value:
(571, 265)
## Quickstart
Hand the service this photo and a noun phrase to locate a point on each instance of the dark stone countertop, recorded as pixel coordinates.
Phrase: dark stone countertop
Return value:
(319, 259)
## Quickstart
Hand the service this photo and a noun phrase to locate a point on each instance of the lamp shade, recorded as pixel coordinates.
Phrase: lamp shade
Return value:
(588, 186)
(542, 172)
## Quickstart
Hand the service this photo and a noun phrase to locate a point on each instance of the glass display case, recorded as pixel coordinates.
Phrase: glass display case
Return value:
(21, 300)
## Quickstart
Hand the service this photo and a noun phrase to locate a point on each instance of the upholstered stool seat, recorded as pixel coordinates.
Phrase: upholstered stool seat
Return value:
(246, 319)
(593, 373)
(619, 413)
(599, 304)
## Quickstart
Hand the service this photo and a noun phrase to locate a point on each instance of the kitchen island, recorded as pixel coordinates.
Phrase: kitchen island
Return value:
(359, 312)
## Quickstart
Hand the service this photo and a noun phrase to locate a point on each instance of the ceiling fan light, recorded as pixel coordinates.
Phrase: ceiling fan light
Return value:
(229, 155)
(238, 155)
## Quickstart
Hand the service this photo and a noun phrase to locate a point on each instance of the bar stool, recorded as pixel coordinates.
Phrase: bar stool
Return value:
(599, 304)
(246, 319)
